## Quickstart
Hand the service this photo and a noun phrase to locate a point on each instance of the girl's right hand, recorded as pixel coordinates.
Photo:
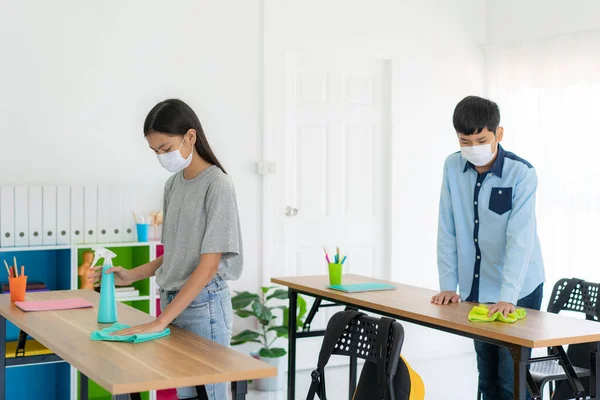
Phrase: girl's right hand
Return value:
(123, 277)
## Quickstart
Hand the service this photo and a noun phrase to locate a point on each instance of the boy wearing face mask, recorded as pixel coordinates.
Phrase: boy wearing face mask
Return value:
(487, 237)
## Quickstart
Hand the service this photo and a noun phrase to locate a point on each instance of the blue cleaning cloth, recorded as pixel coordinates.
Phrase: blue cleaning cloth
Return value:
(105, 334)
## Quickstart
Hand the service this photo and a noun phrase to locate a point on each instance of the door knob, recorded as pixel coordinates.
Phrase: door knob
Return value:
(291, 212)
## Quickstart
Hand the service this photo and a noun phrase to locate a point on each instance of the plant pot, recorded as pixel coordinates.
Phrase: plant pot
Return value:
(274, 383)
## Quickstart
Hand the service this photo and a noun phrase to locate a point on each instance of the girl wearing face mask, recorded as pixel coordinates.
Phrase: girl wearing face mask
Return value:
(201, 234)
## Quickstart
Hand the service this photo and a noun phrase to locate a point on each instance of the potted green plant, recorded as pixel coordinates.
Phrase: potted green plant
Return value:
(262, 307)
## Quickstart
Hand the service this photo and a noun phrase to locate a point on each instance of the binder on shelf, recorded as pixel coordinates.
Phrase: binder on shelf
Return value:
(35, 216)
(104, 221)
(32, 348)
(116, 210)
(90, 212)
(77, 234)
(49, 215)
(128, 222)
(127, 295)
(63, 211)
(33, 286)
(7, 216)
(21, 216)
(126, 292)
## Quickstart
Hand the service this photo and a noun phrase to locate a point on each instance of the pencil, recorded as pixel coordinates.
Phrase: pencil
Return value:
(326, 255)
(134, 217)
(337, 258)
(16, 267)
(22, 270)
(7, 269)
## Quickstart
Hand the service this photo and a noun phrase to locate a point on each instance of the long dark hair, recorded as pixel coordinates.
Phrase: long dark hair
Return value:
(174, 117)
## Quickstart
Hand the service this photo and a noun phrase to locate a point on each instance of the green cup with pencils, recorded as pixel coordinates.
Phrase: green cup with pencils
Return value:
(335, 268)
(335, 274)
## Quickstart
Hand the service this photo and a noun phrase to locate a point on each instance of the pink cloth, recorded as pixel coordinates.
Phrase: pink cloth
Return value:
(51, 305)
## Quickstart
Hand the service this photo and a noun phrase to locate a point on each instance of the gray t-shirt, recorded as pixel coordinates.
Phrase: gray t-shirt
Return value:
(200, 216)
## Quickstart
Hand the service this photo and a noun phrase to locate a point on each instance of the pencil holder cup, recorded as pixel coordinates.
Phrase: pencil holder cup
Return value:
(17, 288)
(142, 232)
(335, 274)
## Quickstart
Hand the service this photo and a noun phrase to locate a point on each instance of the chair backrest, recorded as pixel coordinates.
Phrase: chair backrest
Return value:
(578, 295)
(591, 292)
(358, 339)
(353, 333)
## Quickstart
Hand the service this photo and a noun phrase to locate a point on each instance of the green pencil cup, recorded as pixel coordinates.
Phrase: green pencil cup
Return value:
(335, 274)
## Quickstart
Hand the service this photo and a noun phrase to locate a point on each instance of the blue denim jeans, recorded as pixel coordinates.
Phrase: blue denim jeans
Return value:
(209, 315)
(495, 364)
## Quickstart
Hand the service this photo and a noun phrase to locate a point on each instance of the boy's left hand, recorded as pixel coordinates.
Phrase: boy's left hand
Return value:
(150, 327)
(503, 307)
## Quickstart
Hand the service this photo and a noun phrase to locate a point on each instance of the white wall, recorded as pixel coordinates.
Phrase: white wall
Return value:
(514, 20)
(77, 80)
(437, 59)
(551, 45)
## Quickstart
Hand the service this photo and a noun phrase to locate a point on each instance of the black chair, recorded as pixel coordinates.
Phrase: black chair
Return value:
(354, 334)
(567, 295)
(575, 295)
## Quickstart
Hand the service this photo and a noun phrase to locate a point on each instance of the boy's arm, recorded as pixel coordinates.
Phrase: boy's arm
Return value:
(520, 236)
(447, 256)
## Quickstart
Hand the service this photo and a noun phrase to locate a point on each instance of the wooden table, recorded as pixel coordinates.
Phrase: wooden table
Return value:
(178, 360)
(413, 304)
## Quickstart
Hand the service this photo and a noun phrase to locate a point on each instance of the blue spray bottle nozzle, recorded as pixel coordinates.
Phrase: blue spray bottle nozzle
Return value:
(107, 308)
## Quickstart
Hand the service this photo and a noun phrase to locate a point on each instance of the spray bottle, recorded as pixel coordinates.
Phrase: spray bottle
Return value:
(107, 309)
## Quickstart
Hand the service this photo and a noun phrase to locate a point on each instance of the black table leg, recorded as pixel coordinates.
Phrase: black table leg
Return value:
(135, 396)
(352, 378)
(239, 390)
(595, 370)
(520, 356)
(83, 387)
(3, 358)
(293, 295)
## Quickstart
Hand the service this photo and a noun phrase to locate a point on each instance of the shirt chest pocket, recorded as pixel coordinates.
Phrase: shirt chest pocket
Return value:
(501, 200)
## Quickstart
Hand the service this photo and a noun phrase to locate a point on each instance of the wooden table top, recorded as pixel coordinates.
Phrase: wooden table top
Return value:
(178, 360)
(538, 329)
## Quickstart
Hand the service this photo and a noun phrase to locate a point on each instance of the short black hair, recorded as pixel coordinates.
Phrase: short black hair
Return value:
(473, 114)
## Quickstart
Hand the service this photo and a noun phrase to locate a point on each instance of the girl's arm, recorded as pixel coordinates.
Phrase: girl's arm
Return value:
(125, 277)
(146, 270)
(204, 273)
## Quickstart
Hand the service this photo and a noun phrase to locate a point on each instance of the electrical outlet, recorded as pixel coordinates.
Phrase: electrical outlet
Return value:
(266, 168)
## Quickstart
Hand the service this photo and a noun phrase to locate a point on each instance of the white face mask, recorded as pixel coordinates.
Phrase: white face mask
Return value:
(478, 155)
(173, 161)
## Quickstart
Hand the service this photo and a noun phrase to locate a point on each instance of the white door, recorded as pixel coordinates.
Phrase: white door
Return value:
(333, 174)
(332, 179)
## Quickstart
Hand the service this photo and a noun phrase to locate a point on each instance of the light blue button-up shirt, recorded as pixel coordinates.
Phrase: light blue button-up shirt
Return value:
(487, 236)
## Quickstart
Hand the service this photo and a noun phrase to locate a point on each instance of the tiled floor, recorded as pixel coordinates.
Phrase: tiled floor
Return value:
(448, 379)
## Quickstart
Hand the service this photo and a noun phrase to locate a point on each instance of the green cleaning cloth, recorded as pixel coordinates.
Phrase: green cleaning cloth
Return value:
(480, 314)
(105, 334)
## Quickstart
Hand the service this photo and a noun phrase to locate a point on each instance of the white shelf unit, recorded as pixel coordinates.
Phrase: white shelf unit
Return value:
(59, 264)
